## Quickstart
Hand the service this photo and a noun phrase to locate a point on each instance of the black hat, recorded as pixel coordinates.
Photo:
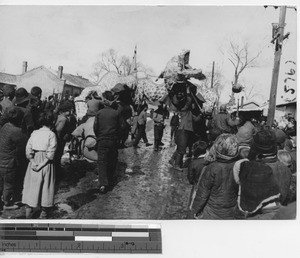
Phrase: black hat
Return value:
(264, 142)
(65, 106)
(21, 96)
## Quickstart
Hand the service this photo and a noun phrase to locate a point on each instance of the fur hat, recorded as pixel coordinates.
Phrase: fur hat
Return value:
(225, 147)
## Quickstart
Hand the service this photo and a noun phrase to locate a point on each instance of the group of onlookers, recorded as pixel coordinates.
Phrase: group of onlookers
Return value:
(240, 168)
(32, 137)
(247, 172)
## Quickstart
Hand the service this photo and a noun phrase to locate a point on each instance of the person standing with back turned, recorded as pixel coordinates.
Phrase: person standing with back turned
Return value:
(107, 129)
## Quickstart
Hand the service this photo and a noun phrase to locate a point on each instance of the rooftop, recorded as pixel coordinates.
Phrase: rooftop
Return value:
(8, 78)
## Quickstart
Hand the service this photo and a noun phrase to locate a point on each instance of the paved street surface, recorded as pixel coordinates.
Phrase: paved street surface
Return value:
(148, 188)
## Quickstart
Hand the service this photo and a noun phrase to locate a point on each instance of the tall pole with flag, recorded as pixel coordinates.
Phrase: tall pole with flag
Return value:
(135, 63)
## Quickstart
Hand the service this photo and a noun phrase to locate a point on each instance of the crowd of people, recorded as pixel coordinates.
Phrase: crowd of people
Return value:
(237, 165)
(32, 138)
(246, 170)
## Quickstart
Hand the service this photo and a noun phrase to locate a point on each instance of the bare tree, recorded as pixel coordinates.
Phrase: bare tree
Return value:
(251, 93)
(145, 70)
(240, 57)
(110, 61)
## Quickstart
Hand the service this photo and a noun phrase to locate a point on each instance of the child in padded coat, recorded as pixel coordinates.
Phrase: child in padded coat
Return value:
(40, 175)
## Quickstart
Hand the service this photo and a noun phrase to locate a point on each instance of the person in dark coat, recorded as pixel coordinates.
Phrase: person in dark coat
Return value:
(158, 118)
(174, 123)
(291, 127)
(8, 95)
(141, 128)
(224, 122)
(22, 101)
(245, 132)
(217, 192)
(264, 150)
(198, 162)
(12, 145)
(259, 191)
(195, 169)
(264, 180)
(107, 129)
(125, 113)
(36, 105)
(185, 134)
(63, 130)
(94, 104)
(50, 106)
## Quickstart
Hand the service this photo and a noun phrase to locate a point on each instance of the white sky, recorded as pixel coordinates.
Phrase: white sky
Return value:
(73, 36)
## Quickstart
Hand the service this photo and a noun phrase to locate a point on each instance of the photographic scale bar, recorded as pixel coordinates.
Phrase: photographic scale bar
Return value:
(80, 238)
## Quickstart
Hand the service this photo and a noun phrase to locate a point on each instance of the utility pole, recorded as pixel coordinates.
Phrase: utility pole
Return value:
(279, 37)
(135, 64)
(212, 74)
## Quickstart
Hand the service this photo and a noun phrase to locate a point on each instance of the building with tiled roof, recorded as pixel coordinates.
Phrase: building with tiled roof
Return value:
(50, 81)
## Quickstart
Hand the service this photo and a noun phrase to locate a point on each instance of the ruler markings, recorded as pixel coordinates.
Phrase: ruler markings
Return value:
(94, 238)
(87, 238)
(130, 234)
(128, 239)
(53, 233)
(92, 233)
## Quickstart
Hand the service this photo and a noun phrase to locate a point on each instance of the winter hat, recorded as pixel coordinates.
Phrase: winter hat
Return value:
(227, 146)
(264, 142)
(257, 186)
(8, 90)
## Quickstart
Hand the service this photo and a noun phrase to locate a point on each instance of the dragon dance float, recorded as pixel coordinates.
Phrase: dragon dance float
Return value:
(176, 78)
